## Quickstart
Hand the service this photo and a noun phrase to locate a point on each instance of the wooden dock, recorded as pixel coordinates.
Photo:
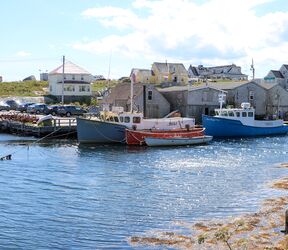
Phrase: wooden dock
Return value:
(58, 126)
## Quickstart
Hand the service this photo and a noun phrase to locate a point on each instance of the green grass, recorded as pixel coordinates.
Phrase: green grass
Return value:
(27, 88)
(99, 85)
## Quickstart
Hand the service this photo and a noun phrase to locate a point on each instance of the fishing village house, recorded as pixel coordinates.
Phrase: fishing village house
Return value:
(141, 76)
(231, 72)
(173, 73)
(267, 99)
(278, 76)
(147, 99)
(193, 101)
(166, 74)
(76, 86)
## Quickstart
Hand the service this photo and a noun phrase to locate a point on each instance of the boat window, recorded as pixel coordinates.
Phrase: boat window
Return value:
(121, 119)
(238, 114)
(250, 114)
(230, 113)
(136, 119)
(127, 119)
(244, 114)
(216, 112)
(224, 113)
(116, 119)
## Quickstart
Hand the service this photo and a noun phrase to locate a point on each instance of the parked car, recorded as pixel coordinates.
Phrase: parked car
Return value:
(69, 110)
(53, 109)
(13, 105)
(22, 107)
(4, 106)
(37, 108)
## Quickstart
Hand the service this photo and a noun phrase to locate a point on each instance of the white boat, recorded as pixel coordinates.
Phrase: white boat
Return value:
(110, 126)
(177, 141)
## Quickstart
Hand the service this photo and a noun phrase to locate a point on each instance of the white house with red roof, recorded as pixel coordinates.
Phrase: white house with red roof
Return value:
(75, 85)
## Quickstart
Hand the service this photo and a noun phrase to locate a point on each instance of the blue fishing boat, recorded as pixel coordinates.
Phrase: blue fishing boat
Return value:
(241, 122)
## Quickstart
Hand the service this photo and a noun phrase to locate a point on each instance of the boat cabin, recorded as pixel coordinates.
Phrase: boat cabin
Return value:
(127, 119)
(245, 112)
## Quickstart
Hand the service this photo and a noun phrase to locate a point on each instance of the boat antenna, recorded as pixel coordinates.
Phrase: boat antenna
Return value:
(108, 78)
(253, 70)
(221, 99)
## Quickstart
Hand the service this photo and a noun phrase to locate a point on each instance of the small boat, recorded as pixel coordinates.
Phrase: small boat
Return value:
(177, 141)
(241, 122)
(137, 137)
(110, 126)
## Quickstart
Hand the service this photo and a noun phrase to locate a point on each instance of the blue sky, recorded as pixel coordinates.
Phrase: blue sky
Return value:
(127, 34)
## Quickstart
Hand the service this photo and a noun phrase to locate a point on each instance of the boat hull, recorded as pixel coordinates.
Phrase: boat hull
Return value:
(153, 142)
(96, 131)
(137, 137)
(222, 127)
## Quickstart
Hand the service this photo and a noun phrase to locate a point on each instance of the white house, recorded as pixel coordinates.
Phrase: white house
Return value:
(76, 85)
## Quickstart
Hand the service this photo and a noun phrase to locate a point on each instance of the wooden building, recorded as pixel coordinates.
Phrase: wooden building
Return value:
(156, 105)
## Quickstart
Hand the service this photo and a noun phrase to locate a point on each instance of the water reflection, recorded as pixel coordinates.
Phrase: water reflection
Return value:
(95, 196)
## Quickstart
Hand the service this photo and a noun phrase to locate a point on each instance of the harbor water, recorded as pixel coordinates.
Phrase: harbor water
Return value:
(57, 194)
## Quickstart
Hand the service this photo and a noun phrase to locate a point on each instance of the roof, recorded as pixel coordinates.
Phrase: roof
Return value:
(277, 73)
(218, 86)
(286, 66)
(122, 92)
(189, 88)
(135, 70)
(194, 70)
(70, 68)
(165, 67)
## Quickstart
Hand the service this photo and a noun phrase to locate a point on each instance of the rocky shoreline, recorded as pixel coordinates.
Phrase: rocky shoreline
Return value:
(260, 230)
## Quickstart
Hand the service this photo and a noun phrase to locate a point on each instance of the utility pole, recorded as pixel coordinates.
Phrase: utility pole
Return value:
(63, 76)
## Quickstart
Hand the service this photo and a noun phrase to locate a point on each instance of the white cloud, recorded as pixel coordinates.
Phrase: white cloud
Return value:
(184, 30)
(23, 53)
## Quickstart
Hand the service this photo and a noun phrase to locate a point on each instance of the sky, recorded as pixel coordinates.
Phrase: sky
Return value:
(110, 37)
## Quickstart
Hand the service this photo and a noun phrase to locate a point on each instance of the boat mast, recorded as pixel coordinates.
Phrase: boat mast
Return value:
(132, 81)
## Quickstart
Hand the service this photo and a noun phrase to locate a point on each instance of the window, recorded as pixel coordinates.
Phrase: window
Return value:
(69, 88)
(250, 114)
(150, 95)
(136, 119)
(126, 119)
(121, 119)
(230, 113)
(244, 114)
(251, 95)
(238, 114)
(73, 77)
(82, 77)
(82, 88)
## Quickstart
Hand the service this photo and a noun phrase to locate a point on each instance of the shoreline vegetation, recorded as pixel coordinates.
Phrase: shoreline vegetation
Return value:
(40, 88)
(257, 231)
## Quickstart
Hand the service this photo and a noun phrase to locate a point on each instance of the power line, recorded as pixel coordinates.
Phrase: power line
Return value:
(29, 59)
